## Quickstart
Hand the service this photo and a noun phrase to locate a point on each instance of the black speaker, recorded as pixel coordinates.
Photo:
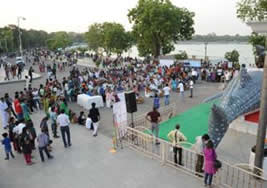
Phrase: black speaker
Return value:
(131, 102)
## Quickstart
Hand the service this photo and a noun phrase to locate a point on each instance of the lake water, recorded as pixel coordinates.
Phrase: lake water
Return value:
(214, 51)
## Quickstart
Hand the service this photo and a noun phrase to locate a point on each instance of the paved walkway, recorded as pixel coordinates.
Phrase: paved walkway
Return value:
(88, 163)
(15, 79)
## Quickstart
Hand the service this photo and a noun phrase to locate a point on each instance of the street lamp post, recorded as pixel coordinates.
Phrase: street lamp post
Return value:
(261, 27)
(206, 51)
(20, 43)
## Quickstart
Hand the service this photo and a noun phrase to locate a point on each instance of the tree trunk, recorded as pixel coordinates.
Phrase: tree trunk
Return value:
(157, 50)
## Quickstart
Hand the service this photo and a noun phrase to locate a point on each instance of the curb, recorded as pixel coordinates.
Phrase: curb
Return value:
(18, 81)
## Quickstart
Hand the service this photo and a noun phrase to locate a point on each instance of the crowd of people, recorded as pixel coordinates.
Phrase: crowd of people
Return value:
(146, 78)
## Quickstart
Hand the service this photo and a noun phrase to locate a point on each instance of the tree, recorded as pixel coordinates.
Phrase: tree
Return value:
(6, 40)
(181, 56)
(94, 37)
(257, 40)
(112, 37)
(58, 40)
(233, 57)
(158, 24)
(115, 38)
(252, 9)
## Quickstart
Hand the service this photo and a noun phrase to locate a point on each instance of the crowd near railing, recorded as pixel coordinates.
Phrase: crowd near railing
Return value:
(228, 175)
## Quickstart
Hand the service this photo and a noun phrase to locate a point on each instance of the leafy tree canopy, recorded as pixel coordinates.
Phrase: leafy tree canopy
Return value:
(252, 9)
(181, 56)
(112, 37)
(232, 56)
(94, 36)
(58, 40)
(158, 24)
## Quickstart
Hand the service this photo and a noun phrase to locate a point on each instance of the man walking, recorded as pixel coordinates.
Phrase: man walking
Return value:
(154, 117)
(43, 141)
(191, 85)
(166, 91)
(95, 116)
(176, 137)
(63, 121)
(181, 88)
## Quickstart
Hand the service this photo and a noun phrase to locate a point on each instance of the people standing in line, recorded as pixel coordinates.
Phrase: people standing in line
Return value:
(176, 137)
(95, 116)
(43, 142)
(53, 118)
(209, 161)
(191, 86)
(181, 88)
(64, 122)
(7, 144)
(154, 117)
(166, 91)
(4, 112)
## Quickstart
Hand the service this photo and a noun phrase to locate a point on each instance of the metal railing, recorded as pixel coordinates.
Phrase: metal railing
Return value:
(228, 176)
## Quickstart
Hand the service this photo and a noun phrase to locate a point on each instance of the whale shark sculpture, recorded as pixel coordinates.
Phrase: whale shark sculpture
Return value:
(241, 96)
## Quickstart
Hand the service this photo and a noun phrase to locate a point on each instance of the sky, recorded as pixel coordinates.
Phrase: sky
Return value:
(218, 16)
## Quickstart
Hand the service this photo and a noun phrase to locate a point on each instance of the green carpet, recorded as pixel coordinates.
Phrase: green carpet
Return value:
(193, 122)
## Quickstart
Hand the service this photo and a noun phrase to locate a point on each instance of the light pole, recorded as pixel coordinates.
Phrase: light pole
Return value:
(20, 43)
(206, 51)
(261, 27)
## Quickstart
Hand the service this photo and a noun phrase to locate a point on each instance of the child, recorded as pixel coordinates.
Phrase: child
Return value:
(7, 143)
(81, 118)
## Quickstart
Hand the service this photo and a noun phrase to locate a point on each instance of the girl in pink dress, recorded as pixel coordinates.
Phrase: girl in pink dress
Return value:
(209, 160)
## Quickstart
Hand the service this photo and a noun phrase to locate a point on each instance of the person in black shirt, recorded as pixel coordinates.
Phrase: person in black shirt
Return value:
(81, 118)
(95, 116)
(30, 73)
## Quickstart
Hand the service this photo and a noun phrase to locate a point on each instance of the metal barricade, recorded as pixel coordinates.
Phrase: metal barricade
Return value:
(228, 176)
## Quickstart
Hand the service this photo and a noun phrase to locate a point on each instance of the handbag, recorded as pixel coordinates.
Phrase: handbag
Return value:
(217, 164)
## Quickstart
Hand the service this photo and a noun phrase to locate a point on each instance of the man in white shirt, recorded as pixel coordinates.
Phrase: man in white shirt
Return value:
(27, 82)
(63, 121)
(227, 76)
(181, 87)
(191, 85)
(166, 91)
(194, 75)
